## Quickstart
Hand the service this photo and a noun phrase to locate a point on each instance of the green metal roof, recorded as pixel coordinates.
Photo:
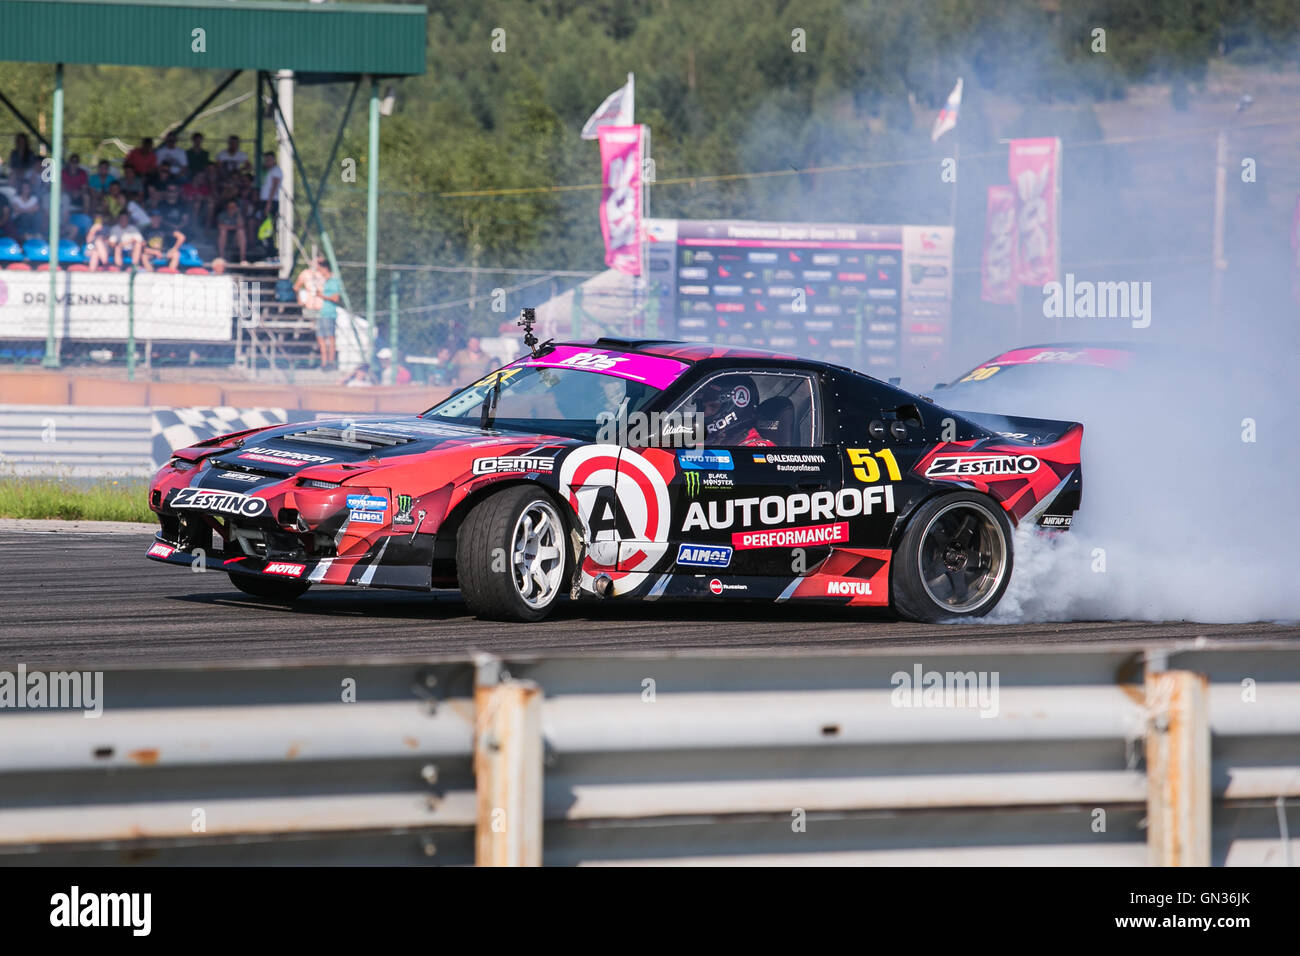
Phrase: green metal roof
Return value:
(352, 38)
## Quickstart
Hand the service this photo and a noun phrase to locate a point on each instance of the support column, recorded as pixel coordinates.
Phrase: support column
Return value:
(372, 215)
(51, 359)
(1178, 769)
(284, 236)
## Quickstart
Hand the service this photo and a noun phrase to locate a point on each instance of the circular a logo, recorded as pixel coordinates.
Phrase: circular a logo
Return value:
(740, 395)
(715, 586)
(618, 499)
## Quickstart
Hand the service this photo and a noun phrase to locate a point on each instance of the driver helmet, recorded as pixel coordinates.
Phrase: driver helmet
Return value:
(729, 406)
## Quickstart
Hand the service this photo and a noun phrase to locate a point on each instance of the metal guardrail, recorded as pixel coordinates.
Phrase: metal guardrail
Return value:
(76, 441)
(693, 758)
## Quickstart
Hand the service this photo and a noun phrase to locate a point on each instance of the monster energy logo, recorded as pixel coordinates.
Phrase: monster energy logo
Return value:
(403, 515)
(692, 481)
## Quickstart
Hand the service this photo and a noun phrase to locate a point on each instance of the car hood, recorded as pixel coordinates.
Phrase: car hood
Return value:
(356, 444)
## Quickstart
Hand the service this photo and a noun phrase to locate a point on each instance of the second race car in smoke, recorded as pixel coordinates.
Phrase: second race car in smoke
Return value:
(633, 469)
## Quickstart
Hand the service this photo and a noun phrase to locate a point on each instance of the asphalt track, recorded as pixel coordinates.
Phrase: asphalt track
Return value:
(76, 598)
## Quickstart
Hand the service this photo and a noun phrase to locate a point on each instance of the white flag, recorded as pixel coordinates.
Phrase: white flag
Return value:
(615, 111)
(947, 117)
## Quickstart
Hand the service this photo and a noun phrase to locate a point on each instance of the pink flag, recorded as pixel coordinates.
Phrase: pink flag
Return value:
(1035, 174)
(620, 199)
(998, 264)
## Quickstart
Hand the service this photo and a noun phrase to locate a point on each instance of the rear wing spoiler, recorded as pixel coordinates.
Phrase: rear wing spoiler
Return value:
(1027, 431)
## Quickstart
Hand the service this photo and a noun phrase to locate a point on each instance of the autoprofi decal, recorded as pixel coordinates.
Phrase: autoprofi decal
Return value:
(775, 510)
(275, 456)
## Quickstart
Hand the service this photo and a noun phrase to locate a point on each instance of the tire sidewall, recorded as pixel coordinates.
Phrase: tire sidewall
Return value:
(910, 598)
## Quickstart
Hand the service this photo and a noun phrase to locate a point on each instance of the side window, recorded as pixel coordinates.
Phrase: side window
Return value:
(757, 408)
(859, 409)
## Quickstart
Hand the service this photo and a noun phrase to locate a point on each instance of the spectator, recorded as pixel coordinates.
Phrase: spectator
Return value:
(272, 179)
(172, 208)
(156, 237)
(471, 362)
(230, 222)
(137, 213)
(196, 156)
(132, 186)
(8, 229)
(114, 202)
(442, 372)
(327, 323)
(171, 157)
(125, 237)
(76, 184)
(22, 158)
(102, 179)
(97, 240)
(200, 193)
(27, 211)
(218, 266)
(162, 180)
(232, 159)
(402, 375)
(309, 285)
(142, 159)
(360, 377)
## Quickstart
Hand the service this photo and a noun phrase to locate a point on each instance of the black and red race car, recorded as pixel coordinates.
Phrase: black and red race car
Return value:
(633, 469)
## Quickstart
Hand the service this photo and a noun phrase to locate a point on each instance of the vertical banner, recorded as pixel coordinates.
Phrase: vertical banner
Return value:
(998, 262)
(1034, 168)
(620, 197)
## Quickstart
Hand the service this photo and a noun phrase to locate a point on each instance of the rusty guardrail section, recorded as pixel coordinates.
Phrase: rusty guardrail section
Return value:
(1095, 755)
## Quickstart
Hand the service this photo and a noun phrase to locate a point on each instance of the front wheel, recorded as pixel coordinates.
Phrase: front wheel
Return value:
(511, 555)
(954, 560)
(269, 588)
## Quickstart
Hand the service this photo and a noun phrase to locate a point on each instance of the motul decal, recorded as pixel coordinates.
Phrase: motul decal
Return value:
(160, 551)
(285, 569)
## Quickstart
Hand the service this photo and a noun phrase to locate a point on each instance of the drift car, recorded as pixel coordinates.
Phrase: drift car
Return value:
(633, 469)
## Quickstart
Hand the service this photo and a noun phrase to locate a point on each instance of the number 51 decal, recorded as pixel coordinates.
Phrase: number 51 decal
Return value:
(867, 470)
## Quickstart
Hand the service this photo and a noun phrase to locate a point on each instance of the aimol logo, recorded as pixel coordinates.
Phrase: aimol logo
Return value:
(848, 588)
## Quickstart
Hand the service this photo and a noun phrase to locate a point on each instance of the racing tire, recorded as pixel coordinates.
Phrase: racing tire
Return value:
(955, 559)
(512, 555)
(267, 588)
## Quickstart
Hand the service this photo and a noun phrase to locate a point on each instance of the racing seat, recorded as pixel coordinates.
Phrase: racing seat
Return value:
(776, 420)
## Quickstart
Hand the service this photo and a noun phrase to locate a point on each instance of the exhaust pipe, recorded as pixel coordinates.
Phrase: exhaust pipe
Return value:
(604, 586)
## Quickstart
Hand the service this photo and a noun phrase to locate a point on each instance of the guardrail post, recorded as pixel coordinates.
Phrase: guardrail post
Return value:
(507, 768)
(1178, 768)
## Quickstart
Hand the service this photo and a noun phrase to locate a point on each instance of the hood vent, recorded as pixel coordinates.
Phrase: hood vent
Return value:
(356, 438)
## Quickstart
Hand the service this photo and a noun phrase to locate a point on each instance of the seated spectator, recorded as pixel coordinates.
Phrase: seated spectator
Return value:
(171, 157)
(133, 187)
(360, 377)
(142, 159)
(125, 237)
(400, 376)
(442, 372)
(232, 159)
(114, 202)
(97, 239)
(218, 266)
(156, 237)
(76, 184)
(230, 222)
(158, 188)
(27, 211)
(137, 213)
(200, 194)
(196, 156)
(102, 179)
(173, 209)
(22, 158)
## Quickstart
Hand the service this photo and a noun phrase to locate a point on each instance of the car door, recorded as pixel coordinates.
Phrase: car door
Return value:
(756, 498)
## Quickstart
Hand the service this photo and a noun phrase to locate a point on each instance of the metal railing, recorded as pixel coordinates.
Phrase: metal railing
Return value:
(1092, 756)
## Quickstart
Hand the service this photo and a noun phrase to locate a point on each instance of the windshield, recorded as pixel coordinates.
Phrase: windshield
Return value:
(563, 401)
(1043, 390)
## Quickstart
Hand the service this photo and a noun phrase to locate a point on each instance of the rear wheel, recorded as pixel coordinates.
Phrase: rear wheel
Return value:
(512, 555)
(954, 560)
(274, 590)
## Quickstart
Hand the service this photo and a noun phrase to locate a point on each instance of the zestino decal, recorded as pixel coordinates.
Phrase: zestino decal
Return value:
(959, 466)
(223, 502)
(782, 509)
(493, 466)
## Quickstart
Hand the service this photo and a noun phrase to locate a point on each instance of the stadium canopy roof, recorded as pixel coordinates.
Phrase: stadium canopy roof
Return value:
(308, 38)
(312, 42)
